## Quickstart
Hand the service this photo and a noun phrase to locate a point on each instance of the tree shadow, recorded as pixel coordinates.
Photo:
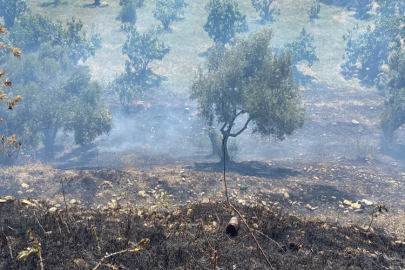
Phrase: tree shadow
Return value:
(248, 168)
(302, 78)
(48, 4)
(205, 53)
(95, 6)
(79, 156)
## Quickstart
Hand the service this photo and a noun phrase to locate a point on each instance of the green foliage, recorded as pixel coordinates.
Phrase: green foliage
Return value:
(388, 8)
(314, 10)
(11, 9)
(367, 52)
(168, 11)
(127, 13)
(31, 31)
(248, 82)
(393, 115)
(61, 97)
(224, 20)
(302, 49)
(142, 49)
(265, 9)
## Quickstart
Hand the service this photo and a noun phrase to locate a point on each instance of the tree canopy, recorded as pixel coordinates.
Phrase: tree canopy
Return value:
(61, 97)
(11, 9)
(30, 31)
(249, 83)
(224, 20)
(266, 9)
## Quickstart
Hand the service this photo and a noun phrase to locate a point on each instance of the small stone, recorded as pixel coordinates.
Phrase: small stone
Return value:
(2, 201)
(286, 196)
(30, 190)
(263, 202)
(205, 200)
(347, 202)
(240, 201)
(333, 197)
(9, 198)
(73, 201)
(24, 185)
(308, 206)
(26, 202)
(359, 211)
(52, 209)
(81, 264)
(356, 206)
(367, 202)
(20, 192)
(355, 122)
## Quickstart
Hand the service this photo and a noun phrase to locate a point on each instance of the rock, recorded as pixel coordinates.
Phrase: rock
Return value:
(2, 201)
(73, 201)
(359, 211)
(24, 185)
(9, 198)
(356, 205)
(106, 184)
(367, 202)
(286, 196)
(347, 202)
(355, 122)
(263, 202)
(205, 200)
(308, 206)
(26, 202)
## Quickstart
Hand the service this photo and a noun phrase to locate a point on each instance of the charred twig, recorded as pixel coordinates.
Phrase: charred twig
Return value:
(94, 231)
(64, 199)
(35, 216)
(239, 214)
(141, 244)
(378, 209)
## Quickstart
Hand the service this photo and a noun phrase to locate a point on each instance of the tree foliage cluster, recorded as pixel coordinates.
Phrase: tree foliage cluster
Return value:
(60, 96)
(367, 52)
(11, 9)
(141, 49)
(249, 83)
(224, 20)
(128, 10)
(30, 31)
(266, 8)
(168, 11)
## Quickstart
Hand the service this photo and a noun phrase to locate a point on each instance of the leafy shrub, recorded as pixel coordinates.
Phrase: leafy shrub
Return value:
(168, 11)
(265, 9)
(367, 52)
(302, 49)
(224, 20)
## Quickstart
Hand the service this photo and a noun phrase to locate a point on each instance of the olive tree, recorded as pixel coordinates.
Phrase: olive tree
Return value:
(168, 11)
(247, 85)
(61, 98)
(127, 13)
(266, 9)
(11, 9)
(141, 50)
(224, 20)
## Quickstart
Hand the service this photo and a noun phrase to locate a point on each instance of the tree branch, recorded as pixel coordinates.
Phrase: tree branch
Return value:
(243, 129)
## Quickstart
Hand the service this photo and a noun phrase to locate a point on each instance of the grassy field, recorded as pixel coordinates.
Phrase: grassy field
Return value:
(188, 38)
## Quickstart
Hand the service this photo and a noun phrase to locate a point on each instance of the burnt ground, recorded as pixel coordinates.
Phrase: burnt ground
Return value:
(184, 239)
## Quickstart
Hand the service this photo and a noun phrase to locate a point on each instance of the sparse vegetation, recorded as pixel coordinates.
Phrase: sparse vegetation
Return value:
(314, 10)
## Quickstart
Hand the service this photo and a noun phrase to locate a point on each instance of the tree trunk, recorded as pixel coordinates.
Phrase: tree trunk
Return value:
(215, 143)
(225, 145)
(48, 139)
